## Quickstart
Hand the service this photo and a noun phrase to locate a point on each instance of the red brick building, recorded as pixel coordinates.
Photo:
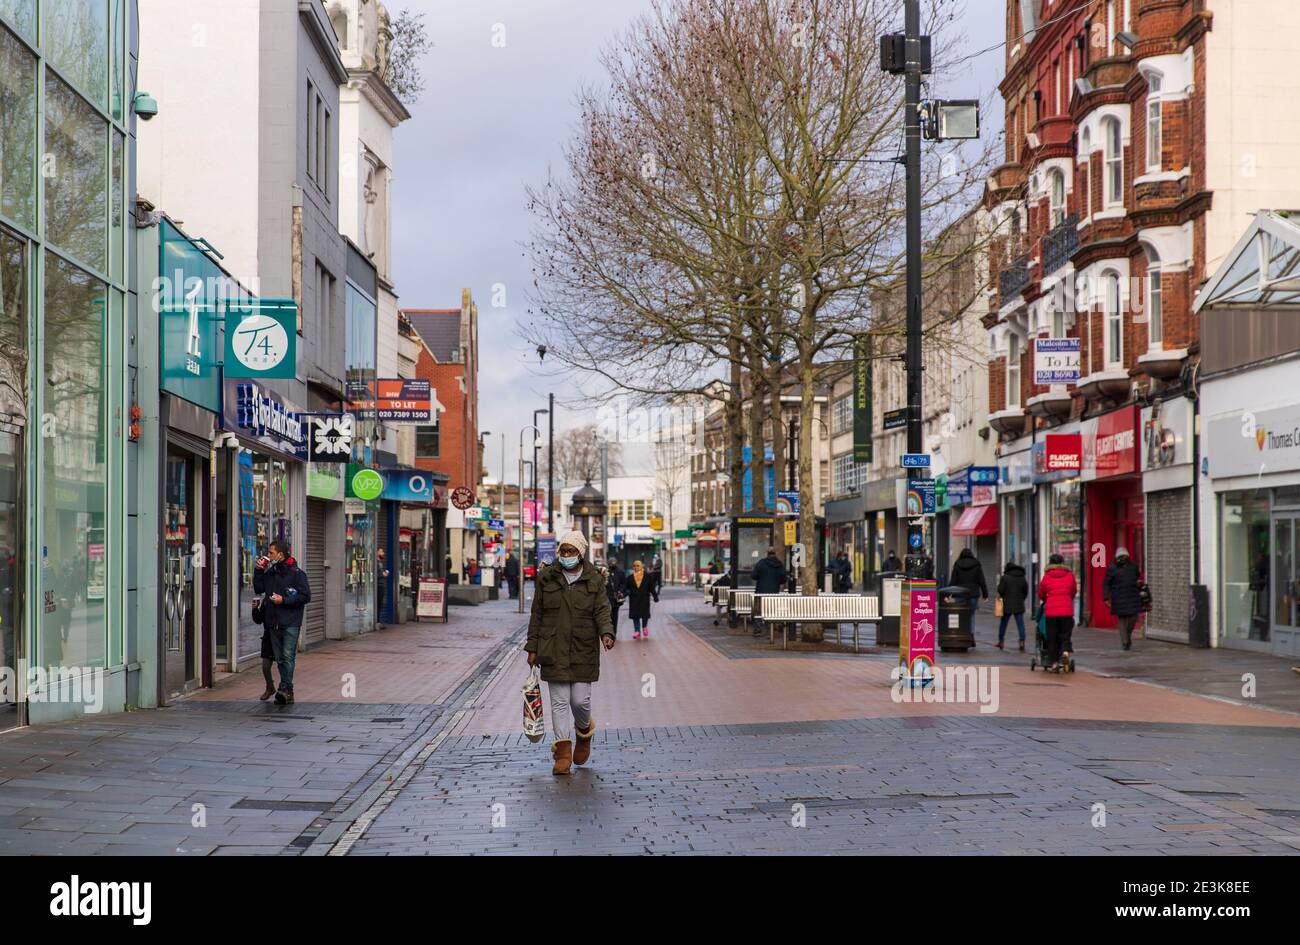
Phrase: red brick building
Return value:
(1113, 206)
(449, 360)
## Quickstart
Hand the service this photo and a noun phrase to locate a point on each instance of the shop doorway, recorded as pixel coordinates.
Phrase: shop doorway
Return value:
(181, 598)
(1284, 578)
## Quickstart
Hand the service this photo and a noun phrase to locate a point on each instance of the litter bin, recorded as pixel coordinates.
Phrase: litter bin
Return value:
(956, 609)
(889, 585)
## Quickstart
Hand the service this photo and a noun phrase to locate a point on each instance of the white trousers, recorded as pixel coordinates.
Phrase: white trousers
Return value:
(570, 703)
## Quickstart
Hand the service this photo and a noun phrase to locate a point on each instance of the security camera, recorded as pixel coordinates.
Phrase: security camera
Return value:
(146, 106)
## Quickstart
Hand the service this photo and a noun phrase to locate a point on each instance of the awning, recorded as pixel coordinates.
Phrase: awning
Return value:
(977, 520)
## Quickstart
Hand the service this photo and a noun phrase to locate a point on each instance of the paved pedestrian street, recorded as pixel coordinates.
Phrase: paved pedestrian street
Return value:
(708, 741)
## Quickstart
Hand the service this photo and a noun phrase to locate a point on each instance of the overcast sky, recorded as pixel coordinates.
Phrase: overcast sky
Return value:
(490, 121)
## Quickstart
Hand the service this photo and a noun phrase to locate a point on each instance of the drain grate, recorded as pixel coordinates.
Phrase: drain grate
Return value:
(1280, 811)
(389, 718)
(256, 804)
(1219, 795)
(281, 734)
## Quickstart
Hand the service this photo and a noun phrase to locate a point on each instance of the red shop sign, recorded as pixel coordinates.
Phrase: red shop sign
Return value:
(1116, 447)
(1064, 451)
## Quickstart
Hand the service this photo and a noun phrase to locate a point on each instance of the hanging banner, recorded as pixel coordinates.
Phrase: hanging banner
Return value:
(862, 378)
(261, 338)
(918, 623)
(329, 437)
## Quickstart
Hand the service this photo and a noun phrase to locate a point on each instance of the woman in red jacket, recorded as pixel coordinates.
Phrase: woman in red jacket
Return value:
(1056, 590)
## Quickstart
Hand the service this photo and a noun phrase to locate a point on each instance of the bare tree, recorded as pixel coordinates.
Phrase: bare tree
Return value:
(578, 455)
(730, 208)
(409, 45)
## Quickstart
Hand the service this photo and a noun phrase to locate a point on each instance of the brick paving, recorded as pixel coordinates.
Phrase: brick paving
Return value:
(715, 761)
(886, 786)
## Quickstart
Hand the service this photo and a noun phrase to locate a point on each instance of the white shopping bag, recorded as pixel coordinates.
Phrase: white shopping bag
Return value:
(534, 724)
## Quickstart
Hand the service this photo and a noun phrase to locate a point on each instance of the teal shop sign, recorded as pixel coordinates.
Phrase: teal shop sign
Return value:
(262, 338)
(190, 295)
(364, 483)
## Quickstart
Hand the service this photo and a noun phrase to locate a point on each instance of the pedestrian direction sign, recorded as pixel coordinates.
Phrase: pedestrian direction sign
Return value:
(916, 460)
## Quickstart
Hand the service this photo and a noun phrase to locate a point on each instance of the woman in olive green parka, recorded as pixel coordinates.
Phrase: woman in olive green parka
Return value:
(569, 625)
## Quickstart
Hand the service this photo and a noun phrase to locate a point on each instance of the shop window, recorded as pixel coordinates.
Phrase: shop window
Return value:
(75, 39)
(1244, 611)
(74, 544)
(21, 15)
(76, 192)
(17, 130)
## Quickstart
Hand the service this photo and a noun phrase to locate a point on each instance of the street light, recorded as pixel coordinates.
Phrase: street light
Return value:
(536, 518)
(523, 585)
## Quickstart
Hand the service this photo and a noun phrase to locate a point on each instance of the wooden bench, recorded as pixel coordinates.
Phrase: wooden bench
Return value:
(787, 609)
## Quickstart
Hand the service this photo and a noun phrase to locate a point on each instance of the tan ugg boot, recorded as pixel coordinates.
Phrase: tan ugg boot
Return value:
(582, 751)
(563, 752)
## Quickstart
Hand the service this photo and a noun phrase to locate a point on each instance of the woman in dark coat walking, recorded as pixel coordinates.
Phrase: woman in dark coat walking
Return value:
(967, 572)
(639, 590)
(1120, 593)
(1013, 590)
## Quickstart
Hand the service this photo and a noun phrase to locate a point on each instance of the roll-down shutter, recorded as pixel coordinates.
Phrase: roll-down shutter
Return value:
(314, 564)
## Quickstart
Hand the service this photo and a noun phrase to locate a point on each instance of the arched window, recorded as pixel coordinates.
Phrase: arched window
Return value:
(1114, 161)
(1056, 196)
(1154, 123)
(1086, 180)
(1155, 301)
(1113, 340)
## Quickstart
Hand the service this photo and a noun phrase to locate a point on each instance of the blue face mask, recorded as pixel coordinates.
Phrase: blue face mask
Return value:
(569, 562)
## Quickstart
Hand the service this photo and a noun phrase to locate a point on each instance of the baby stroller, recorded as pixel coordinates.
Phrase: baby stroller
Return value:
(1040, 657)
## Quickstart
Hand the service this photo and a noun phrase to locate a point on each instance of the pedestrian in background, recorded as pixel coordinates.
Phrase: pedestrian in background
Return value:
(381, 584)
(1120, 592)
(842, 573)
(656, 576)
(769, 576)
(892, 563)
(570, 623)
(616, 590)
(639, 590)
(968, 574)
(1013, 591)
(512, 574)
(285, 592)
(1057, 590)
